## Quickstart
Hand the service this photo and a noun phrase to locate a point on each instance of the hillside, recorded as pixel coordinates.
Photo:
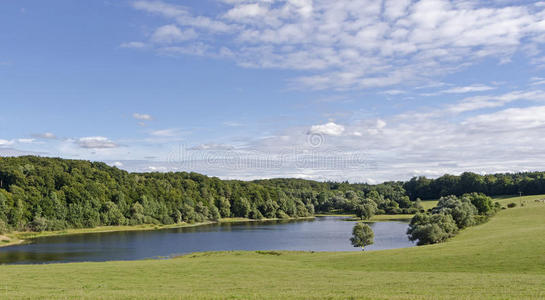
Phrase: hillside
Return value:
(500, 259)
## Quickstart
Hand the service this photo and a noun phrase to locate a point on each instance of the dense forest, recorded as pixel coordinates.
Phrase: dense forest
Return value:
(527, 183)
(38, 193)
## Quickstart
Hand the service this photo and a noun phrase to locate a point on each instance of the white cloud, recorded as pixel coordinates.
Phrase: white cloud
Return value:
(246, 11)
(170, 132)
(361, 44)
(45, 135)
(4, 143)
(492, 101)
(169, 34)
(394, 92)
(134, 45)
(232, 124)
(25, 141)
(143, 117)
(468, 89)
(329, 128)
(96, 142)
(212, 146)
(537, 81)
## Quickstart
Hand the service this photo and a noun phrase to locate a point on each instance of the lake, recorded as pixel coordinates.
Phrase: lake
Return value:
(320, 234)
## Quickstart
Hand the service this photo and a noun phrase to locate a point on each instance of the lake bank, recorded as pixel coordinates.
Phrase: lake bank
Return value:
(18, 238)
(318, 234)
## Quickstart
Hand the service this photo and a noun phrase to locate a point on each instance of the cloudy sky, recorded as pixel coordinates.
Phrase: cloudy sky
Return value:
(360, 90)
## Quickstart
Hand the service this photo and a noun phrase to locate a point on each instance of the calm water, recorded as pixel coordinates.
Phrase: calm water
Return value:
(321, 234)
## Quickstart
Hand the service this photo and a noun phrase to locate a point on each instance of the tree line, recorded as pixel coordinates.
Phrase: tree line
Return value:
(38, 193)
(526, 183)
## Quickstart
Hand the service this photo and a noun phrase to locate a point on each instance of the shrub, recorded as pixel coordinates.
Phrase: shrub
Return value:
(462, 210)
(282, 215)
(511, 205)
(431, 229)
(3, 227)
(39, 224)
(482, 202)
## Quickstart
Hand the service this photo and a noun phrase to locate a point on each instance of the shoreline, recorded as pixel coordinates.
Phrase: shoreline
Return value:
(22, 237)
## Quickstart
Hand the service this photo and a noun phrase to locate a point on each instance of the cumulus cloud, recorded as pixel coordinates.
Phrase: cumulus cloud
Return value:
(25, 141)
(492, 101)
(143, 117)
(468, 89)
(171, 33)
(170, 132)
(96, 142)
(133, 45)
(45, 135)
(212, 146)
(5, 143)
(329, 128)
(359, 44)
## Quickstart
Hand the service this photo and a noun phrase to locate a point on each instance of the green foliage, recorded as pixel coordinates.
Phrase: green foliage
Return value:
(3, 227)
(449, 216)
(482, 202)
(431, 228)
(528, 183)
(362, 235)
(461, 210)
(40, 193)
(366, 209)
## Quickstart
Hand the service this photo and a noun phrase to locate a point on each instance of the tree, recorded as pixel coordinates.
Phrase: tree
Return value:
(461, 210)
(366, 209)
(431, 229)
(482, 202)
(362, 235)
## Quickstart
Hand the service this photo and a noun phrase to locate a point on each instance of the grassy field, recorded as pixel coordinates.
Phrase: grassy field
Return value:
(501, 259)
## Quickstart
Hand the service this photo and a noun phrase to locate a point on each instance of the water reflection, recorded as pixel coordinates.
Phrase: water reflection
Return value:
(320, 234)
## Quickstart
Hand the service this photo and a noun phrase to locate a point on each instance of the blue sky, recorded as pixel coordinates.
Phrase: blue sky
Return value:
(327, 90)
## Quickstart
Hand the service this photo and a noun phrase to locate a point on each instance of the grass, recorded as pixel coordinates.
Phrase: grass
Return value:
(501, 259)
(427, 204)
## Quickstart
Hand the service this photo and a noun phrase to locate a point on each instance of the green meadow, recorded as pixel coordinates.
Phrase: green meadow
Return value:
(501, 259)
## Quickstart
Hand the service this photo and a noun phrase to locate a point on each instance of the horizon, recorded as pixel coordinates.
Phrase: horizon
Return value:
(366, 91)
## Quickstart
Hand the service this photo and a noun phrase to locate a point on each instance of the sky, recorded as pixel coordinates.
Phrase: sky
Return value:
(362, 90)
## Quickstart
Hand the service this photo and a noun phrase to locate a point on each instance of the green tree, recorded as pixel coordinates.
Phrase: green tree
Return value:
(366, 209)
(362, 235)
(431, 229)
(482, 202)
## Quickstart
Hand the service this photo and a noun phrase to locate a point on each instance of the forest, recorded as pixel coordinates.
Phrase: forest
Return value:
(525, 183)
(39, 193)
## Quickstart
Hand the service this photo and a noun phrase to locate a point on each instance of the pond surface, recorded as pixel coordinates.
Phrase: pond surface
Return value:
(320, 234)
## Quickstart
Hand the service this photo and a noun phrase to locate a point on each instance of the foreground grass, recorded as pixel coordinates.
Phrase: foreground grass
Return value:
(501, 259)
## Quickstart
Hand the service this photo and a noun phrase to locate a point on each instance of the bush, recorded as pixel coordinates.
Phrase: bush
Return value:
(282, 215)
(431, 229)
(462, 210)
(482, 202)
(511, 205)
(39, 224)
(3, 227)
